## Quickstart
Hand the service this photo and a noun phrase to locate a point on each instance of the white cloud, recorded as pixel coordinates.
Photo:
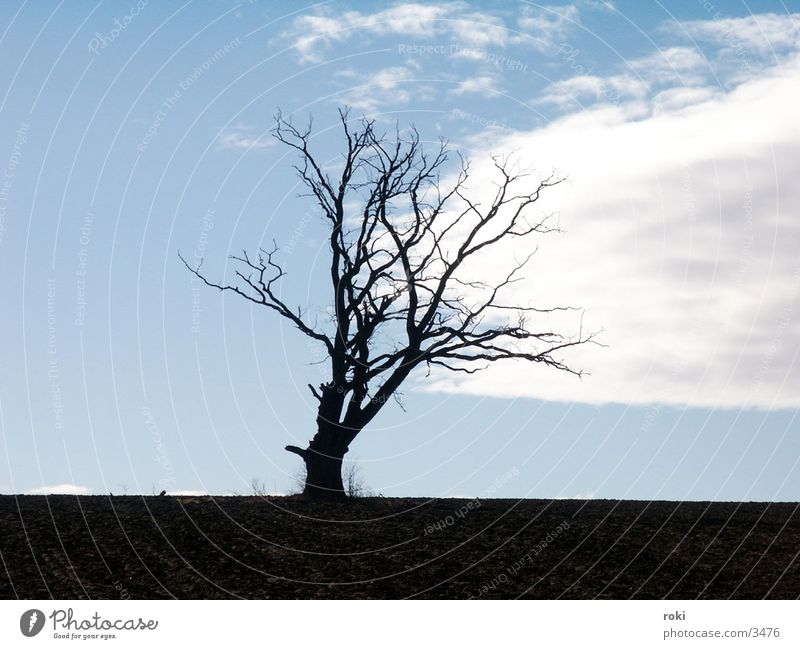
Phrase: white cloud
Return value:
(584, 89)
(454, 22)
(606, 6)
(675, 98)
(476, 30)
(484, 85)
(681, 232)
(765, 33)
(243, 137)
(672, 66)
(367, 92)
(547, 25)
(311, 33)
(69, 489)
(744, 46)
(672, 58)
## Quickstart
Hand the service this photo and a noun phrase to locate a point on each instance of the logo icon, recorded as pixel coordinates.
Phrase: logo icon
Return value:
(31, 622)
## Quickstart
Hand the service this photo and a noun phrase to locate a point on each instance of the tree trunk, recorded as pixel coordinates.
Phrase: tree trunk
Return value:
(323, 459)
(324, 476)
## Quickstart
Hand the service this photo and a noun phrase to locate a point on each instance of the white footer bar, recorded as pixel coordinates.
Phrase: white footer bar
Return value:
(389, 624)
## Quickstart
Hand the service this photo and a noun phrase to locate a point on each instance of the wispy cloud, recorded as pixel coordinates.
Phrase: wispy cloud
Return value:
(736, 50)
(606, 6)
(548, 25)
(485, 85)
(743, 46)
(243, 137)
(681, 97)
(368, 92)
(672, 65)
(768, 33)
(639, 78)
(538, 27)
(311, 34)
(588, 89)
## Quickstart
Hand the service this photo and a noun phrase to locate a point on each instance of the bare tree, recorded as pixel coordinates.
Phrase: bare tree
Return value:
(406, 290)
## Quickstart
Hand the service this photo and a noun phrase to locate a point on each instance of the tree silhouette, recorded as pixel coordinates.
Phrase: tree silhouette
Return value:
(405, 279)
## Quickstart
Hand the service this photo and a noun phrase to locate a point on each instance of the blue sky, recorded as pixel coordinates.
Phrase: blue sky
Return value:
(130, 132)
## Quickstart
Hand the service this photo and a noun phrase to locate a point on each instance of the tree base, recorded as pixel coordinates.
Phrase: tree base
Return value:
(323, 474)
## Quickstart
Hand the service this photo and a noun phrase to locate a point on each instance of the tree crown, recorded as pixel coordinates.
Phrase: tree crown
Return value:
(403, 266)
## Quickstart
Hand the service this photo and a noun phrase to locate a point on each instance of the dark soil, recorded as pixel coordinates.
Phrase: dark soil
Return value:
(190, 547)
